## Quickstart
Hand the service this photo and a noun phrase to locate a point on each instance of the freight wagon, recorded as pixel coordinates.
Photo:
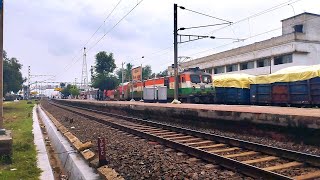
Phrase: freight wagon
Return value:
(294, 86)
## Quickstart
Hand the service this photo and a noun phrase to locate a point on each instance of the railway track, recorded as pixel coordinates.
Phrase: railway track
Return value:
(252, 159)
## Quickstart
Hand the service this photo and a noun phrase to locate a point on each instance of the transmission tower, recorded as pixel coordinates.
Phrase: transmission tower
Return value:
(84, 75)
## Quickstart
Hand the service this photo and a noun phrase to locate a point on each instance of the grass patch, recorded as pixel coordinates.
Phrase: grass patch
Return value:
(17, 118)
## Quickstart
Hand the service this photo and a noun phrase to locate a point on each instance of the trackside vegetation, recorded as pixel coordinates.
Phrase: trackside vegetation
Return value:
(18, 119)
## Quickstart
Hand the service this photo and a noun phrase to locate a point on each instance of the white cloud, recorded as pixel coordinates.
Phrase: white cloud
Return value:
(47, 34)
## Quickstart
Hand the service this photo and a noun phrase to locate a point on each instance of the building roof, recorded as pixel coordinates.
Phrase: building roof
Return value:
(305, 13)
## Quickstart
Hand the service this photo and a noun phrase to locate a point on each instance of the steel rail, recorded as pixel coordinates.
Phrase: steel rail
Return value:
(210, 157)
(275, 151)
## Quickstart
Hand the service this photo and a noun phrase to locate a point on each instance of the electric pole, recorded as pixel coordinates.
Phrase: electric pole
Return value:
(141, 100)
(91, 73)
(1, 64)
(28, 88)
(84, 75)
(190, 38)
(122, 79)
(175, 43)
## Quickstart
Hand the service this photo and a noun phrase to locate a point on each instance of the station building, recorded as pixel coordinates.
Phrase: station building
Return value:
(298, 45)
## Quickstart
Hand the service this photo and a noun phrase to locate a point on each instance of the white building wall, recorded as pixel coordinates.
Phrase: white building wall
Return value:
(310, 22)
(302, 54)
(304, 47)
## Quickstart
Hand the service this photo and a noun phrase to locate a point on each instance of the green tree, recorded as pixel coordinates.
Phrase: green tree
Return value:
(104, 63)
(12, 76)
(163, 73)
(70, 90)
(126, 73)
(103, 68)
(105, 82)
(66, 91)
(146, 72)
(74, 91)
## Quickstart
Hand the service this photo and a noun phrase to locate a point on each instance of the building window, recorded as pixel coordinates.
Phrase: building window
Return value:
(219, 70)
(247, 65)
(232, 67)
(283, 59)
(263, 62)
(298, 28)
(209, 71)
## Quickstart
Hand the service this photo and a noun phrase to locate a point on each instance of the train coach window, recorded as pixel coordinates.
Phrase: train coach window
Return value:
(195, 78)
(206, 79)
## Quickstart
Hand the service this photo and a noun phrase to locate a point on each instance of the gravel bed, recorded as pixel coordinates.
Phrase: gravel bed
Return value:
(271, 163)
(136, 158)
(296, 171)
(251, 157)
(258, 139)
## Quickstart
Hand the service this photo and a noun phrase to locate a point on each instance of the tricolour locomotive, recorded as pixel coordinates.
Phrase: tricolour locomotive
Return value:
(195, 86)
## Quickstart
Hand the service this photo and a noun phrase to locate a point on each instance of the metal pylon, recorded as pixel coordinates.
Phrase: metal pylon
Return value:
(84, 74)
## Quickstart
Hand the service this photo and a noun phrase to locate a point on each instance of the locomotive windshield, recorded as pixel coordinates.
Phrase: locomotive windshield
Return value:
(206, 79)
(195, 78)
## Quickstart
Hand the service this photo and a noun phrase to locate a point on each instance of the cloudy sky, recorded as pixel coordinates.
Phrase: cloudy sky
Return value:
(49, 35)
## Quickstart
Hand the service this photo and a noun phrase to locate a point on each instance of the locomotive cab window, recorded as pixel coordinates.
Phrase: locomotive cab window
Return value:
(166, 82)
(206, 79)
(195, 78)
(182, 79)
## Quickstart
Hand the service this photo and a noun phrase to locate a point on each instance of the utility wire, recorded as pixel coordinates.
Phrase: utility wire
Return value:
(229, 25)
(103, 22)
(114, 25)
(255, 15)
(74, 62)
(183, 28)
(250, 37)
(249, 17)
(258, 14)
(239, 39)
(181, 7)
(76, 58)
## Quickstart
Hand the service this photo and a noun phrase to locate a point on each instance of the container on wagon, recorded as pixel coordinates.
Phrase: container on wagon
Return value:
(232, 88)
(162, 94)
(149, 94)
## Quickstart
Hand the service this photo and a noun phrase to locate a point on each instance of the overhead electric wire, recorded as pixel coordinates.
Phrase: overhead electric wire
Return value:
(249, 17)
(76, 58)
(115, 7)
(258, 14)
(183, 28)
(181, 7)
(151, 55)
(67, 68)
(246, 18)
(252, 16)
(114, 26)
(256, 35)
(255, 15)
